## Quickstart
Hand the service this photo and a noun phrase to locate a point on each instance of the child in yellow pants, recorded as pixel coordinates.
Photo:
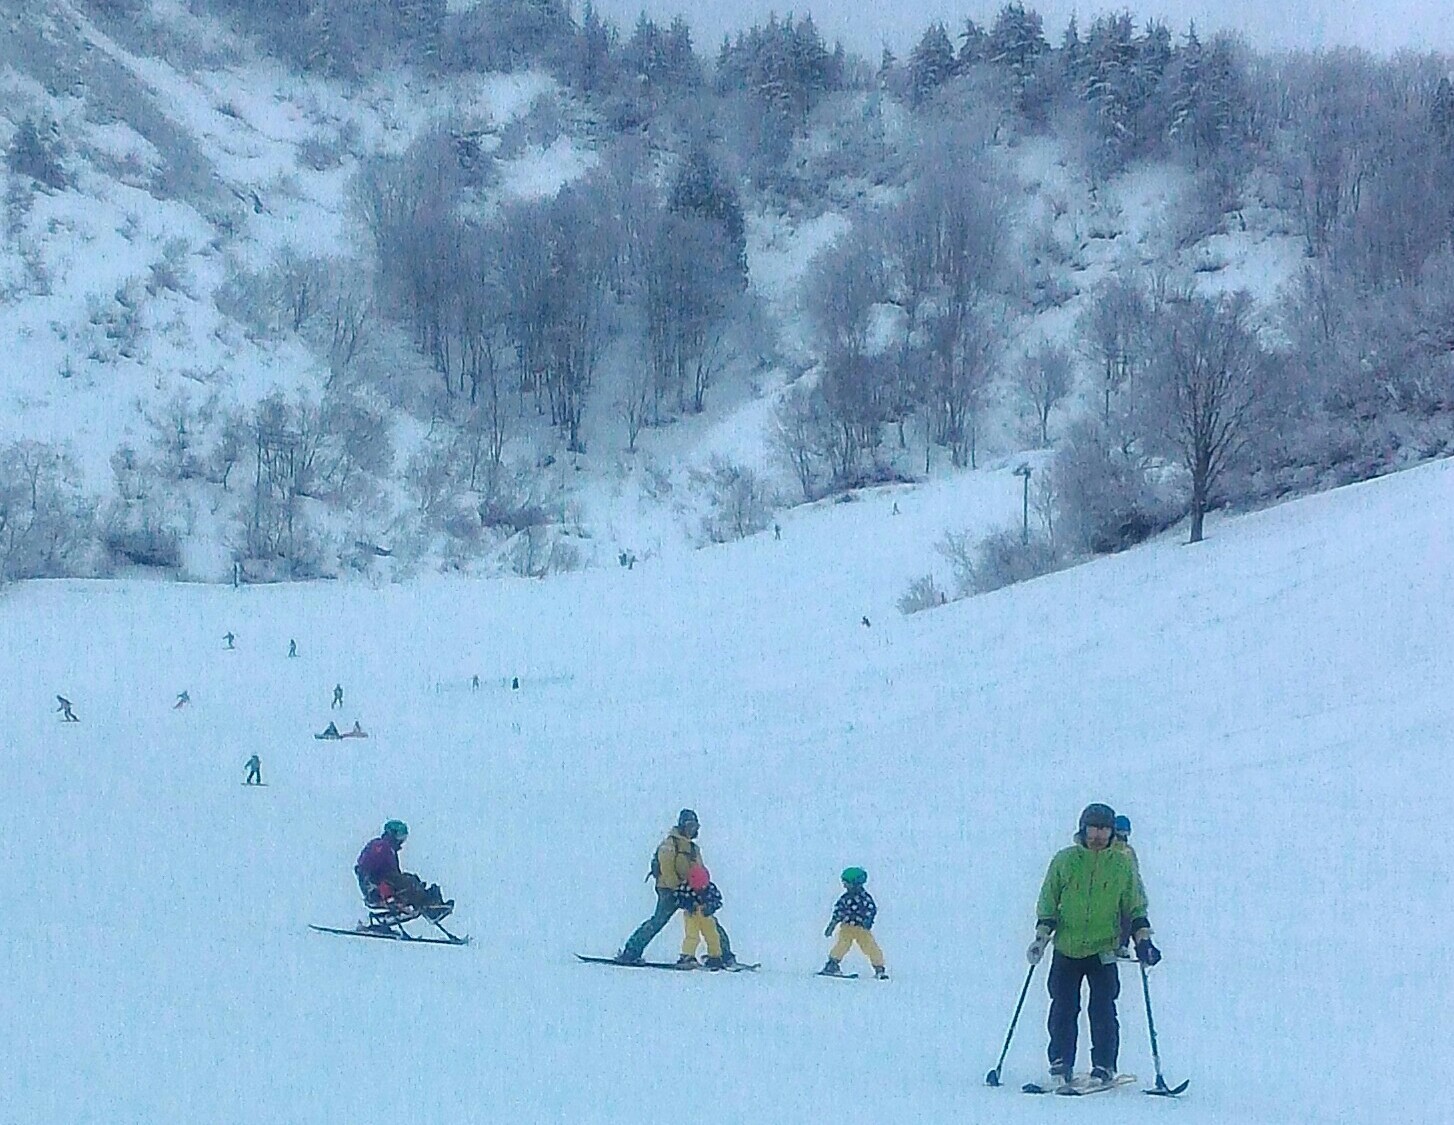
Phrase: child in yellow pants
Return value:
(700, 900)
(853, 916)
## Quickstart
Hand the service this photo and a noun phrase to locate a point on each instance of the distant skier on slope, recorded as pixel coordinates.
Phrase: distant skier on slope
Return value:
(330, 731)
(292, 647)
(383, 883)
(182, 700)
(254, 767)
(337, 697)
(675, 857)
(64, 710)
(229, 637)
(853, 917)
(1087, 889)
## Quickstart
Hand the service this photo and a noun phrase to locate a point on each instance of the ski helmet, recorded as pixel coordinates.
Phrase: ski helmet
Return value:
(686, 817)
(1123, 825)
(854, 876)
(1097, 815)
(397, 829)
(698, 877)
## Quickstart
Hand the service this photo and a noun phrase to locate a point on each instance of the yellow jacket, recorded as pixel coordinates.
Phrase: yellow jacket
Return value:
(674, 858)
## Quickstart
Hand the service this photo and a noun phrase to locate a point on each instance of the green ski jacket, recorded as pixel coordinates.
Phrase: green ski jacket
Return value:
(1084, 897)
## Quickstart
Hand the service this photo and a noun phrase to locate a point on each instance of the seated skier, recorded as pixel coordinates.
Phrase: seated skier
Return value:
(330, 731)
(357, 732)
(384, 884)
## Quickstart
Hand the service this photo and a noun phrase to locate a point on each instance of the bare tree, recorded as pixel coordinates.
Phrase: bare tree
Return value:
(1207, 367)
(1045, 380)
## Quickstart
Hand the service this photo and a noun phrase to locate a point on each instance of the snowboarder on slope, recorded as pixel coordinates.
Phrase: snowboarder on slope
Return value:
(182, 700)
(675, 857)
(64, 710)
(382, 881)
(337, 697)
(254, 768)
(853, 916)
(700, 900)
(1087, 889)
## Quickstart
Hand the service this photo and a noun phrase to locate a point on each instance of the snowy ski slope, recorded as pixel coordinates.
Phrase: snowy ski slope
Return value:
(1271, 708)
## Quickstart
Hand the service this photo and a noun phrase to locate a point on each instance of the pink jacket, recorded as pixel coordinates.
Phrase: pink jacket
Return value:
(379, 859)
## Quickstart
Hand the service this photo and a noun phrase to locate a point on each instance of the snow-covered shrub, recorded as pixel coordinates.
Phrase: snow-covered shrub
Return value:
(739, 502)
(37, 152)
(47, 524)
(923, 593)
(1008, 556)
(1106, 499)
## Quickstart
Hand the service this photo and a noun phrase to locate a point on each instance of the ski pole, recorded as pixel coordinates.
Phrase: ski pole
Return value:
(1161, 1087)
(993, 1077)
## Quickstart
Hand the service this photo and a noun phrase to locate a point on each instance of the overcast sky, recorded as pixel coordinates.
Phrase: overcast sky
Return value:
(865, 25)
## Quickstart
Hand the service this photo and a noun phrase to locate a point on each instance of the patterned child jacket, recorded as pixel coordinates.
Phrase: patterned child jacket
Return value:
(856, 907)
(709, 898)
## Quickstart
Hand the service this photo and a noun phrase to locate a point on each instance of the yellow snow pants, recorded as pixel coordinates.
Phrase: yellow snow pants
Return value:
(700, 926)
(847, 935)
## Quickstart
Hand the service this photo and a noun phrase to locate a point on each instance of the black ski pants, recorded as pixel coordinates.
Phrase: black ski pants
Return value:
(666, 906)
(1066, 974)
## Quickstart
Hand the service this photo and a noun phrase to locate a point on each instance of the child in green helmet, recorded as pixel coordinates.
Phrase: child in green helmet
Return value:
(853, 916)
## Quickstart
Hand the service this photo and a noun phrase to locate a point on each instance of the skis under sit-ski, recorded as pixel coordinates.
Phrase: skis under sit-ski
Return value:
(391, 928)
(1079, 1086)
(737, 967)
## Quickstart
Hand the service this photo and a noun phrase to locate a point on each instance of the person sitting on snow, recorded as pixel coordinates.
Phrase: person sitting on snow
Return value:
(330, 731)
(382, 882)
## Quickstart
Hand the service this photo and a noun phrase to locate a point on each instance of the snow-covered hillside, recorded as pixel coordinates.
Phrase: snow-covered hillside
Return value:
(188, 161)
(1270, 707)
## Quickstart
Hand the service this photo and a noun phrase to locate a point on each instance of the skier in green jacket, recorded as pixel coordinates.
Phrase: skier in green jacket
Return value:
(1089, 887)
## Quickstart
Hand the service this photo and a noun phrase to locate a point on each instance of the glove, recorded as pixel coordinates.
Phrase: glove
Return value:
(1146, 953)
(829, 931)
(1037, 948)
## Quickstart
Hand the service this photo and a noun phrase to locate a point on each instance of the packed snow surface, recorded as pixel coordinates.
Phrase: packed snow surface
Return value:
(1270, 707)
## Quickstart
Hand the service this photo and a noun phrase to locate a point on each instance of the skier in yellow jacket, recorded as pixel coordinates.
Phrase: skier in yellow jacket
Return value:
(675, 857)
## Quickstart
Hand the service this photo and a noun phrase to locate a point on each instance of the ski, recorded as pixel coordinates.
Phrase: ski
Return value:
(740, 967)
(1079, 1087)
(390, 935)
(838, 976)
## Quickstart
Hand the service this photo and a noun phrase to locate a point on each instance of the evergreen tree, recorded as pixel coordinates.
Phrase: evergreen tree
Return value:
(973, 45)
(702, 189)
(1441, 114)
(1016, 44)
(931, 63)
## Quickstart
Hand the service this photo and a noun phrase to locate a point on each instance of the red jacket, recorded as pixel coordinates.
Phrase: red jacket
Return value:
(378, 860)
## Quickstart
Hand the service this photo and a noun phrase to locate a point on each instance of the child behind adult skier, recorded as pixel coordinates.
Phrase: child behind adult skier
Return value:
(853, 916)
(700, 900)
(1121, 841)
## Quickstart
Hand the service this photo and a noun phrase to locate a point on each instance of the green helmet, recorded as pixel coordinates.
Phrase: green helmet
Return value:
(397, 829)
(855, 876)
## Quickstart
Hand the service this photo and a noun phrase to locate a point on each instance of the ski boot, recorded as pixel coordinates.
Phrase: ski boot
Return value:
(1123, 953)
(715, 964)
(687, 961)
(1062, 1076)
(831, 969)
(880, 973)
(628, 957)
(1101, 1076)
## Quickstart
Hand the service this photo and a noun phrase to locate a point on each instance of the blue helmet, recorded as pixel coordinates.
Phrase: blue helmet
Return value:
(1122, 826)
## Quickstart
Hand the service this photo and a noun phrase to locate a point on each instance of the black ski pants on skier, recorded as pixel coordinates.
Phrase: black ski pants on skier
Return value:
(666, 906)
(1066, 974)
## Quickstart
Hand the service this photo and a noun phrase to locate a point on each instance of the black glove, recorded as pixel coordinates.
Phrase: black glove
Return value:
(1147, 953)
